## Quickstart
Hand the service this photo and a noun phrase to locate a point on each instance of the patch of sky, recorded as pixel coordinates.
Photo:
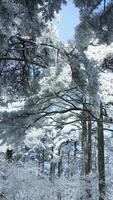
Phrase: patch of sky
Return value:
(69, 19)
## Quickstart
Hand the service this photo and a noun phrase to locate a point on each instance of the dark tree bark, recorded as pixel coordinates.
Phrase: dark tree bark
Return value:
(43, 159)
(89, 145)
(52, 165)
(89, 159)
(60, 161)
(60, 167)
(75, 149)
(101, 161)
(9, 154)
(84, 142)
(87, 150)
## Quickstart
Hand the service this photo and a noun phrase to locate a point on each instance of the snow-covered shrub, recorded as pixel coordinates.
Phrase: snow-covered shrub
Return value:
(24, 181)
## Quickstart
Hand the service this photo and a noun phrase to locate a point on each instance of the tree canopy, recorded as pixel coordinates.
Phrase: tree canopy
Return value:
(56, 101)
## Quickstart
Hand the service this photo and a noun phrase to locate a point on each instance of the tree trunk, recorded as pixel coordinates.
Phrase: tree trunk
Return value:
(86, 147)
(60, 167)
(89, 146)
(89, 160)
(43, 160)
(59, 170)
(84, 143)
(75, 149)
(60, 161)
(52, 166)
(101, 162)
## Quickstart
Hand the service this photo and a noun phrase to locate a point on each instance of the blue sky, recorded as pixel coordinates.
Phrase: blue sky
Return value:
(69, 19)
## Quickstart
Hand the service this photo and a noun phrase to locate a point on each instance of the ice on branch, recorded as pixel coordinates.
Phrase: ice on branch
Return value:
(98, 52)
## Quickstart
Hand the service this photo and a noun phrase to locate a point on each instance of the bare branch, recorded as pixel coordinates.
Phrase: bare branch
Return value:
(22, 60)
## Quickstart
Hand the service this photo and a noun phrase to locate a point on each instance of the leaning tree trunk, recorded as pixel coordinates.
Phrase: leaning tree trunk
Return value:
(101, 162)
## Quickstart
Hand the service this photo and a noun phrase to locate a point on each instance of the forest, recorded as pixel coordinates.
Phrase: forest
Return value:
(56, 102)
